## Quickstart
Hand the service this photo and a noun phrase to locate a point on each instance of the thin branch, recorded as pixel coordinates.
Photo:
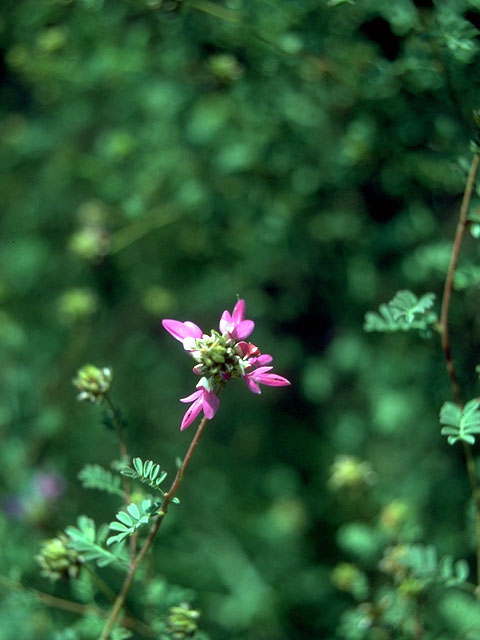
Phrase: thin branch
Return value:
(446, 346)
(447, 291)
(118, 427)
(118, 605)
(125, 481)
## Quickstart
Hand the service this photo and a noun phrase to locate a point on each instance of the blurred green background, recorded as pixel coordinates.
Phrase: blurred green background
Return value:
(158, 159)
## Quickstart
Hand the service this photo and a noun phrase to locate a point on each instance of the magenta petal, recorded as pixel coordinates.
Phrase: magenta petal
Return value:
(272, 380)
(191, 413)
(243, 329)
(181, 330)
(210, 404)
(252, 385)
(226, 323)
(265, 358)
(193, 330)
(259, 372)
(242, 347)
(238, 312)
(193, 396)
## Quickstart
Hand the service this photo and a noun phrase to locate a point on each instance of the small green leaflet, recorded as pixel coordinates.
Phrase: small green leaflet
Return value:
(404, 312)
(146, 471)
(460, 424)
(85, 540)
(93, 476)
(406, 305)
(129, 521)
(423, 562)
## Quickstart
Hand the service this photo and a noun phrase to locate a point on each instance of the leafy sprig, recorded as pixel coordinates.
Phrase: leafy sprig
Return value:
(404, 312)
(94, 476)
(148, 472)
(129, 521)
(85, 539)
(422, 562)
(460, 424)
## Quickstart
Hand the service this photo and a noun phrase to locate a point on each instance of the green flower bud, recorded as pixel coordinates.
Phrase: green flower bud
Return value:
(215, 354)
(225, 67)
(394, 515)
(182, 621)
(348, 472)
(90, 243)
(57, 560)
(348, 577)
(77, 304)
(93, 383)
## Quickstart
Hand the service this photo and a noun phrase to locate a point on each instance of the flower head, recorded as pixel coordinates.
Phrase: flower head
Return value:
(58, 560)
(220, 356)
(93, 383)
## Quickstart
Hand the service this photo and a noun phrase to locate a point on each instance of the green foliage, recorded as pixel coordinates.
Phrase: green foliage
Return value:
(403, 313)
(94, 476)
(86, 628)
(131, 520)
(336, 3)
(147, 472)
(120, 633)
(422, 562)
(88, 542)
(457, 34)
(460, 424)
(155, 163)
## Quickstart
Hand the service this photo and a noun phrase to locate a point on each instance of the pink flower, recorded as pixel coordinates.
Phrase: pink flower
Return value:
(235, 324)
(202, 400)
(222, 356)
(261, 375)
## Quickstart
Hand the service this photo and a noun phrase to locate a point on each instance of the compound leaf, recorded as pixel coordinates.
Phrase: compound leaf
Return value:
(94, 476)
(84, 539)
(404, 312)
(147, 472)
(423, 563)
(128, 522)
(460, 424)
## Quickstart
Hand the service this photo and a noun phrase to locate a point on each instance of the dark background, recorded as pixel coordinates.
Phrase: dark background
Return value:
(159, 159)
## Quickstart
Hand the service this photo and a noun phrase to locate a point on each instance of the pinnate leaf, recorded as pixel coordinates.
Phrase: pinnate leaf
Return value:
(84, 539)
(94, 476)
(460, 424)
(129, 521)
(403, 313)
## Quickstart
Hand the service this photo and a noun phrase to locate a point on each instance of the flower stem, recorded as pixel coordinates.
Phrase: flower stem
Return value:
(446, 346)
(447, 290)
(124, 454)
(118, 605)
(118, 427)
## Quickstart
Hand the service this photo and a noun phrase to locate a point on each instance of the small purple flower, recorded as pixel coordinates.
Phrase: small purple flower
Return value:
(49, 486)
(219, 358)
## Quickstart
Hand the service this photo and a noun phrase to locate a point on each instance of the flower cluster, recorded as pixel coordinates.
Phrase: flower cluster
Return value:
(93, 383)
(58, 560)
(222, 355)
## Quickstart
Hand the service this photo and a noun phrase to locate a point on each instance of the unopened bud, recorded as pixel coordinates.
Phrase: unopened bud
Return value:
(57, 560)
(182, 621)
(93, 383)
